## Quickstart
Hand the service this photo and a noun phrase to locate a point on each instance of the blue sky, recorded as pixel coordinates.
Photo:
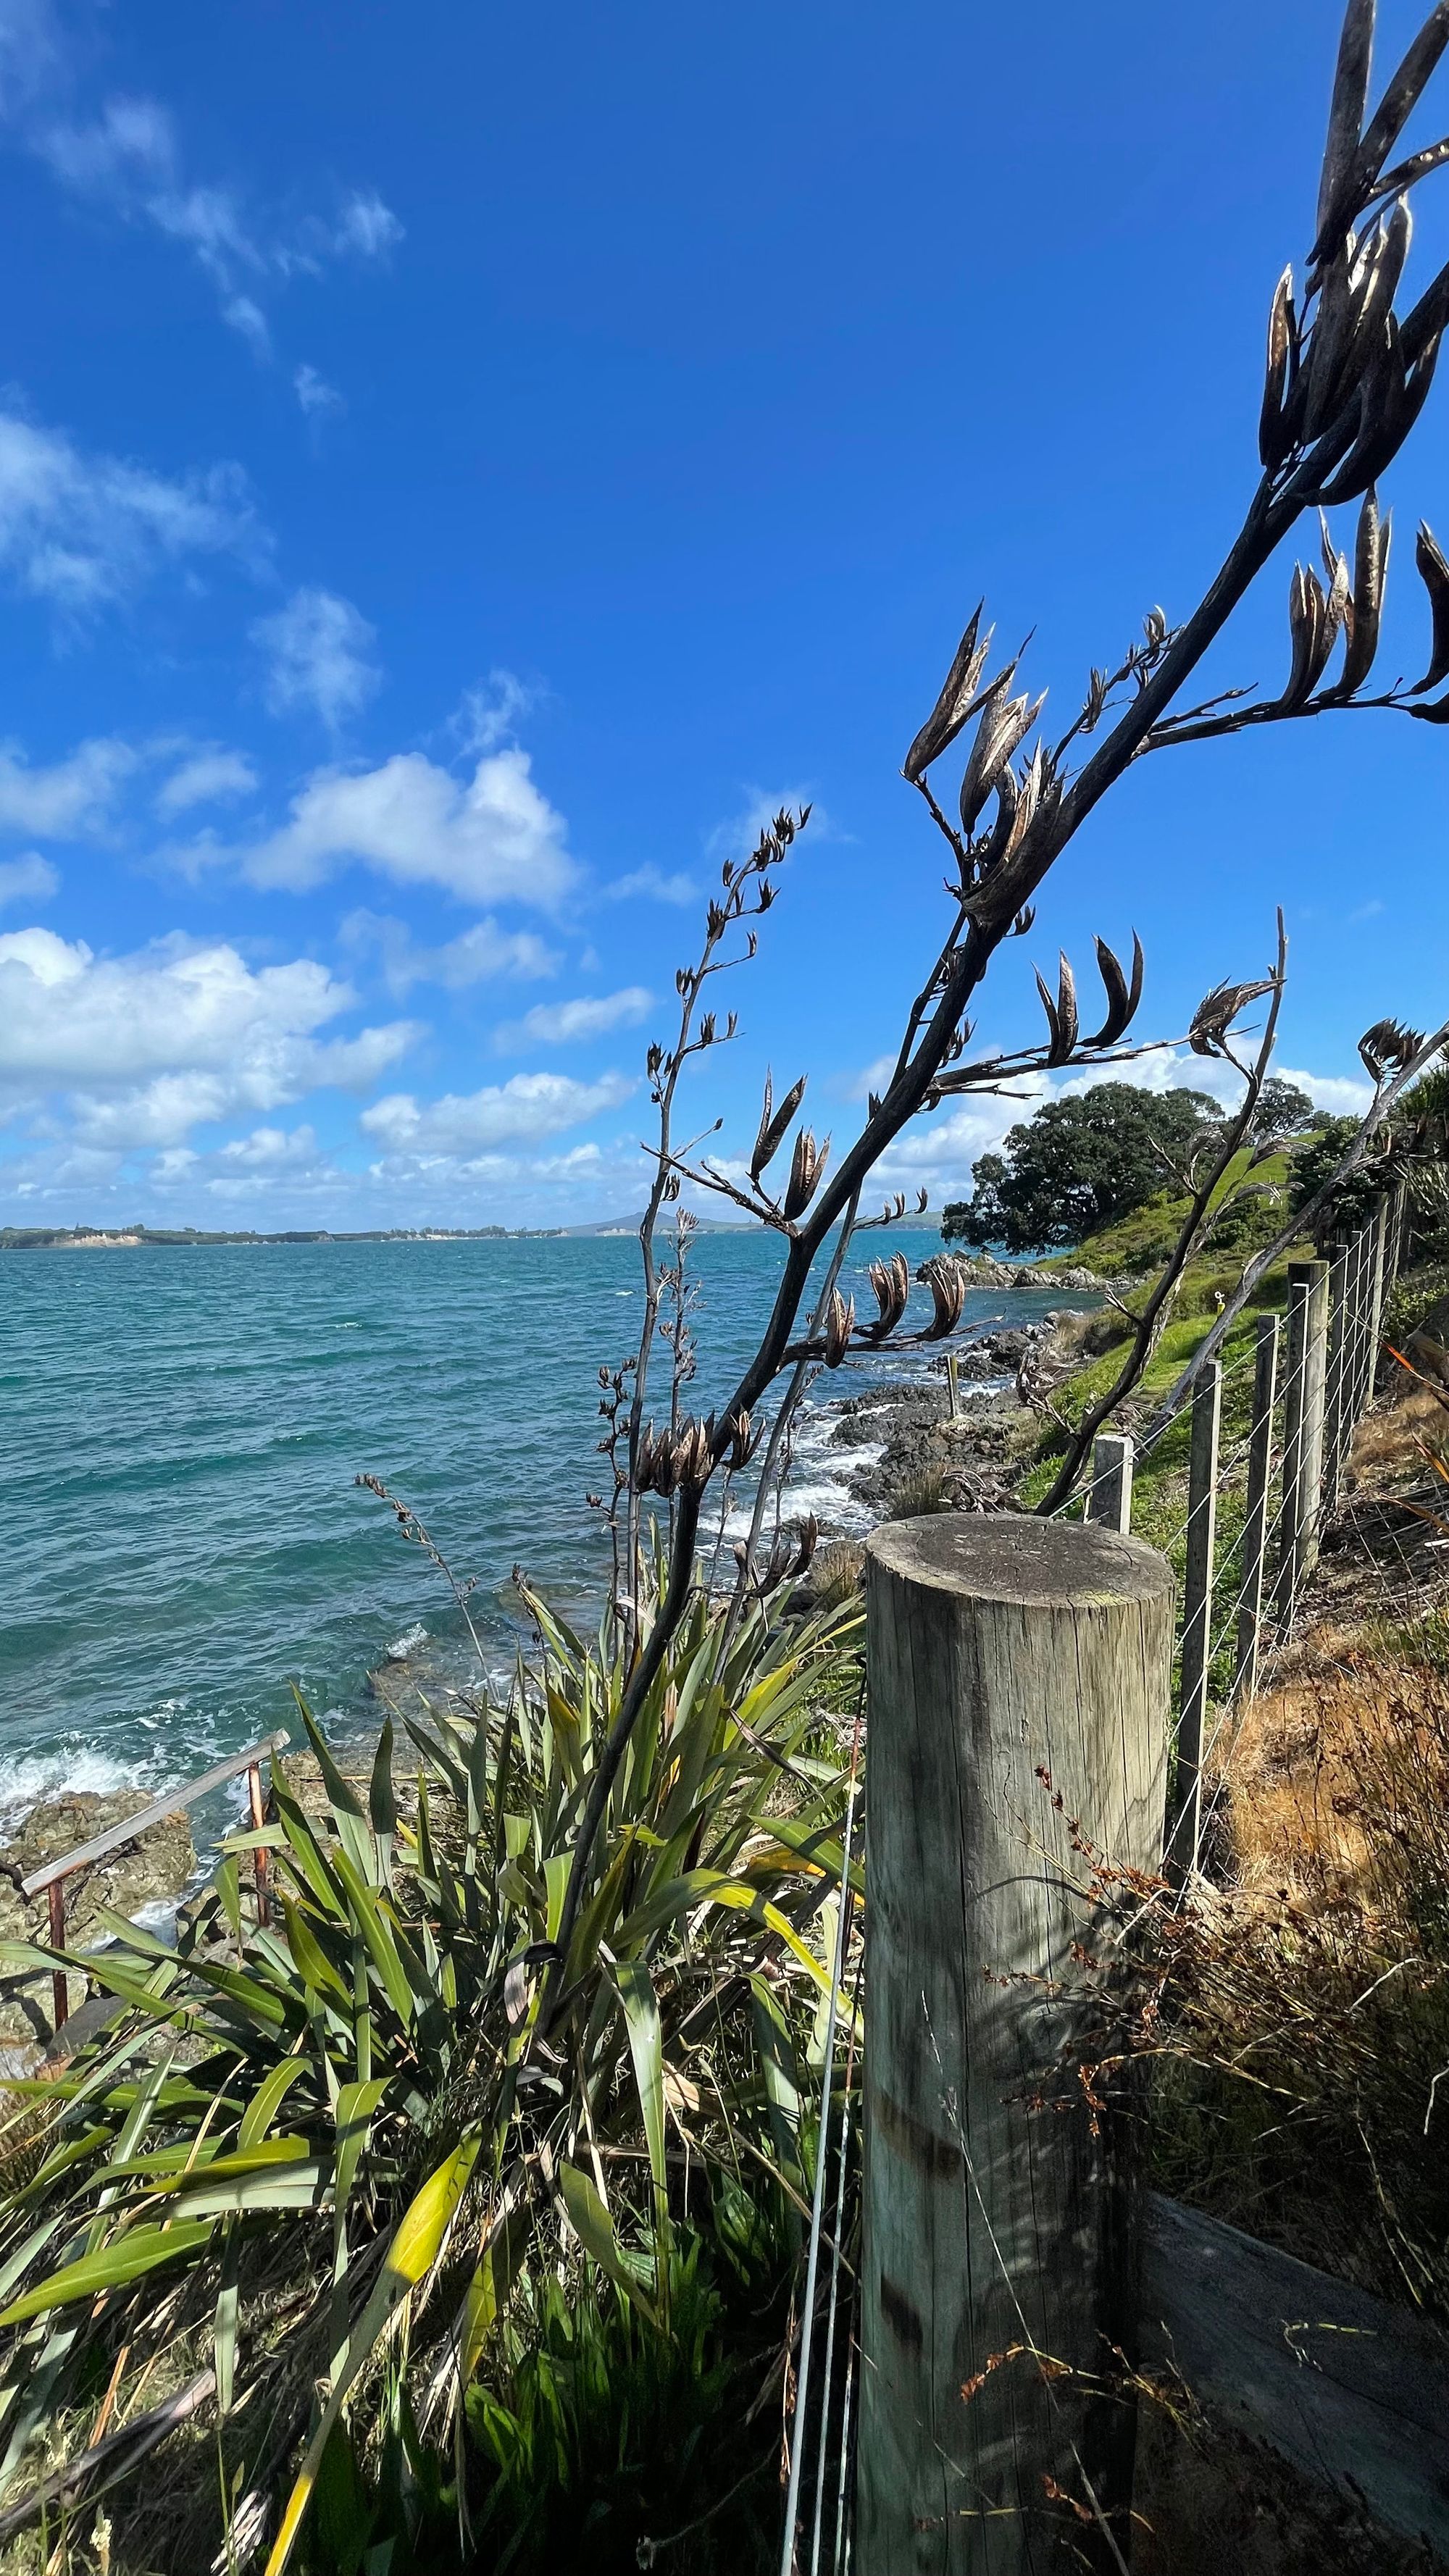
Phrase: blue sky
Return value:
(459, 467)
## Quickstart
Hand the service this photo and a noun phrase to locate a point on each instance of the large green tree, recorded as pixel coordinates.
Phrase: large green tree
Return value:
(1079, 1164)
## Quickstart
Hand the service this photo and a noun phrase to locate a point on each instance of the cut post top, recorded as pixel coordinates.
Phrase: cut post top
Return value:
(1012, 1556)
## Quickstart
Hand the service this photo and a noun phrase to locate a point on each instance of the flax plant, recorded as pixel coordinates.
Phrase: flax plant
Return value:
(351, 2108)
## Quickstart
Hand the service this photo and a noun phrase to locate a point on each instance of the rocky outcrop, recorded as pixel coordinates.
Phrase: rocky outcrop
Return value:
(983, 1270)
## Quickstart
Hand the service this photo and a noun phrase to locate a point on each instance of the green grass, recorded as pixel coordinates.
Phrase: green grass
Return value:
(1144, 1240)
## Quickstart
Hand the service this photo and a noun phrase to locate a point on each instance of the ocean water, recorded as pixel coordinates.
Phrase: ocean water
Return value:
(181, 1431)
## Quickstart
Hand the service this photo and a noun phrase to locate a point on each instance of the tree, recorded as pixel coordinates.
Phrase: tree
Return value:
(1350, 1200)
(1284, 1110)
(1078, 1165)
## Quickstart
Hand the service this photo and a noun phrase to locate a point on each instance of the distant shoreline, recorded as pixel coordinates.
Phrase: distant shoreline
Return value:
(141, 1238)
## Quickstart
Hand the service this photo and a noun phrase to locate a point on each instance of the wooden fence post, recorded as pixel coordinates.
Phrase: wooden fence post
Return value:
(1338, 1423)
(1185, 1813)
(1302, 1428)
(1109, 1495)
(999, 1650)
(953, 1385)
(1379, 1285)
(1255, 1521)
(59, 1983)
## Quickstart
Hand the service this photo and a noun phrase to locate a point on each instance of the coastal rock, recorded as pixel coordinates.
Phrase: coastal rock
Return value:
(983, 1270)
(1085, 1282)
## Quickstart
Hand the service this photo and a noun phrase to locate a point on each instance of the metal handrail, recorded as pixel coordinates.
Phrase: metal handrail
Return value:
(51, 1879)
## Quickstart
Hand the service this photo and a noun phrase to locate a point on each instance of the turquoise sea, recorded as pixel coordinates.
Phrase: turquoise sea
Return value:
(181, 1431)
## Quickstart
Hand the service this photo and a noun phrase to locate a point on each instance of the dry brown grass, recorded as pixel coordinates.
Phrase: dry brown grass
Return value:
(1304, 2086)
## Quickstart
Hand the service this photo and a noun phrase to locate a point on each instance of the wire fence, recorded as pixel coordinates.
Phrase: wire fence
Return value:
(1245, 1544)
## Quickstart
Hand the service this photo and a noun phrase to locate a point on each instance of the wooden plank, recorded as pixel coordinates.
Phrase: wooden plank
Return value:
(1185, 1815)
(172, 1804)
(999, 1649)
(1351, 2394)
(1109, 1495)
(1255, 1520)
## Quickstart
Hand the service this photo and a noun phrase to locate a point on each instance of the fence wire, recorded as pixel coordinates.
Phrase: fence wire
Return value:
(1347, 1359)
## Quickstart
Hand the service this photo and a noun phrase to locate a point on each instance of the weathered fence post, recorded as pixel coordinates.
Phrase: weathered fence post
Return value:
(1197, 1616)
(1338, 1428)
(1255, 1518)
(1109, 1495)
(1379, 1285)
(953, 1385)
(1302, 1428)
(1019, 1686)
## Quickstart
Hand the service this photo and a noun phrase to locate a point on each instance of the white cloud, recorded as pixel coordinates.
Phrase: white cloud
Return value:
(128, 158)
(205, 778)
(1346, 1096)
(73, 796)
(82, 531)
(650, 880)
(30, 879)
(489, 712)
(366, 227)
(317, 648)
(566, 1023)
(528, 1108)
(315, 394)
(147, 1046)
(491, 839)
(478, 955)
(131, 138)
(246, 316)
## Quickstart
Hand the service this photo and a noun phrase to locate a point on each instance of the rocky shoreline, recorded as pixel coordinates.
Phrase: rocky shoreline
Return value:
(927, 1458)
(912, 1453)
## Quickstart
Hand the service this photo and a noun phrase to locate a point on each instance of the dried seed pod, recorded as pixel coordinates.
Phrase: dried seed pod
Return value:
(806, 1166)
(1371, 558)
(744, 1439)
(891, 1283)
(1008, 796)
(1434, 573)
(772, 1129)
(1275, 436)
(1216, 1013)
(1346, 113)
(693, 1455)
(808, 1535)
(1324, 394)
(1385, 413)
(1307, 618)
(1061, 1015)
(1121, 1001)
(1005, 722)
(1388, 1047)
(953, 706)
(1426, 320)
(947, 1283)
(1399, 100)
(839, 1325)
